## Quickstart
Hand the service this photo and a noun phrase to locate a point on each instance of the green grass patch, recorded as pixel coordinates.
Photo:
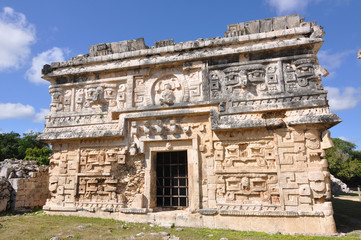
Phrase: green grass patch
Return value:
(37, 225)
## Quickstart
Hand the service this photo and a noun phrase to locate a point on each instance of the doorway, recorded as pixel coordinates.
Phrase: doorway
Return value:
(172, 180)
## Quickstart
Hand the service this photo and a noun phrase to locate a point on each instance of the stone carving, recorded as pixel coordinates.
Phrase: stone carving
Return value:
(195, 85)
(304, 71)
(139, 92)
(90, 187)
(214, 84)
(56, 99)
(121, 96)
(167, 90)
(110, 95)
(79, 99)
(233, 126)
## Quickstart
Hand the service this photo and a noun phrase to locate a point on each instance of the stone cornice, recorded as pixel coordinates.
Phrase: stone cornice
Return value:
(191, 50)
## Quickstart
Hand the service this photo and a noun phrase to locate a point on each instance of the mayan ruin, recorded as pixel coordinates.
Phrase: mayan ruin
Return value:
(224, 132)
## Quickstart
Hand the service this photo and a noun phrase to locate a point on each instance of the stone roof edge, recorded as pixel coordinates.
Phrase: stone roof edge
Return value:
(112, 64)
(185, 46)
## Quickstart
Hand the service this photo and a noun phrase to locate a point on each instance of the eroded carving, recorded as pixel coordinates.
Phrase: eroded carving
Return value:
(167, 90)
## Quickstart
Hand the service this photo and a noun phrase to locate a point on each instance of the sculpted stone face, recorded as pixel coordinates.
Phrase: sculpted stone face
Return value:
(221, 130)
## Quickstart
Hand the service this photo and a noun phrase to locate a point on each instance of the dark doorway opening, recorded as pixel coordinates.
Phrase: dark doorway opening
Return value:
(172, 180)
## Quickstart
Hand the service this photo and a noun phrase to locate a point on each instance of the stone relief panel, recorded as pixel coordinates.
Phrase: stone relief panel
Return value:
(304, 178)
(256, 86)
(62, 184)
(195, 85)
(110, 94)
(250, 77)
(172, 128)
(215, 86)
(95, 177)
(194, 77)
(167, 90)
(246, 171)
(139, 92)
(285, 169)
(248, 191)
(57, 99)
(79, 99)
(302, 73)
(96, 97)
(121, 96)
(255, 155)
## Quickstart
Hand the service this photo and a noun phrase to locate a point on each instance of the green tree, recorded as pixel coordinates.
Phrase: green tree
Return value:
(9, 144)
(29, 141)
(40, 155)
(344, 162)
(14, 146)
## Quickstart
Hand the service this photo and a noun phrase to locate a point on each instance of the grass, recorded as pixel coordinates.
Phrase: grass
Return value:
(37, 225)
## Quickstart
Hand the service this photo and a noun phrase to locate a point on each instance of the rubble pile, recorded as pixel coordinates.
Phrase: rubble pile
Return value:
(12, 168)
(337, 186)
(23, 185)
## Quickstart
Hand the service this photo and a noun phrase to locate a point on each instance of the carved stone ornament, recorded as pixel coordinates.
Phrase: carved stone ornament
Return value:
(167, 90)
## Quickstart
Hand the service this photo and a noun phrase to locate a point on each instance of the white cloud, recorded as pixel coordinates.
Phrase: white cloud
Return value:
(52, 55)
(21, 111)
(348, 139)
(16, 110)
(345, 100)
(288, 6)
(332, 61)
(40, 116)
(16, 36)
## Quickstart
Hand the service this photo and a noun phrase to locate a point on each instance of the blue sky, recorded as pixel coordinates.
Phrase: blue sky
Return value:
(33, 33)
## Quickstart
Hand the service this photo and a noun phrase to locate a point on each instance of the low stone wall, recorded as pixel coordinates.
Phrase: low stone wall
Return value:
(28, 184)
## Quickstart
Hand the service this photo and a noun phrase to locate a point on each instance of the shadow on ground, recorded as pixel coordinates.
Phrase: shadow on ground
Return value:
(347, 214)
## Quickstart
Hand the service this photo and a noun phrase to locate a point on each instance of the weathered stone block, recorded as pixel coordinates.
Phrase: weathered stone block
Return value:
(266, 25)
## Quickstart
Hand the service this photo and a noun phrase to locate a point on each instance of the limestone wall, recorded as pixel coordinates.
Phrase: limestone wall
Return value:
(29, 183)
(248, 110)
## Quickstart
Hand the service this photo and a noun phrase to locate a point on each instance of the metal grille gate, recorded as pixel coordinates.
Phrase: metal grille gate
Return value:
(172, 180)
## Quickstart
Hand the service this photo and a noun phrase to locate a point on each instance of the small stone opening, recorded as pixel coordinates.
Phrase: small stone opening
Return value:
(172, 180)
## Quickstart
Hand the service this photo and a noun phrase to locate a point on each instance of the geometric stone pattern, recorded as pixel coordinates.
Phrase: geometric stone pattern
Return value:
(249, 109)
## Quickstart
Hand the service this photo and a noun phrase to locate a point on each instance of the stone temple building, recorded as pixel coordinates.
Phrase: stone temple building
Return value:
(221, 133)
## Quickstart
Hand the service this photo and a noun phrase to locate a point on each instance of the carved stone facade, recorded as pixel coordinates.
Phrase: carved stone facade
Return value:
(235, 128)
